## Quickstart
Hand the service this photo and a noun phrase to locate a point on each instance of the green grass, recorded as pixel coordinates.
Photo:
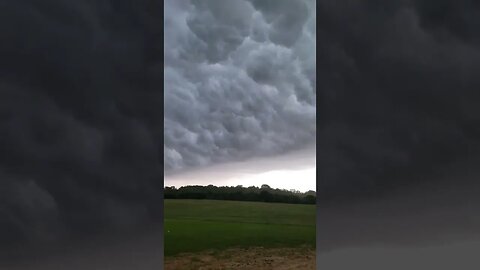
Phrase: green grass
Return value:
(196, 225)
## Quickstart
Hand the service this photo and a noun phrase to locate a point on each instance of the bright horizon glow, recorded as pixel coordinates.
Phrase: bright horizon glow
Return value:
(295, 170)
(301, 180)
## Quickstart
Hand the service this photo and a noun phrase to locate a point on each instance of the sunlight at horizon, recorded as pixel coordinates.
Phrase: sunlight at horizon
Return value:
(301, 179)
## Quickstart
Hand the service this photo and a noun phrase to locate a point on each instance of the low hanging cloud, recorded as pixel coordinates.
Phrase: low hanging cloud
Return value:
(80, 117)
(398, 92)
(239, 80)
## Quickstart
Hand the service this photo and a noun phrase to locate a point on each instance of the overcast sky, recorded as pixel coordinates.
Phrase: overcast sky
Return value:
(80, 117)
(239, 85)
(398, 94)
(398, 113)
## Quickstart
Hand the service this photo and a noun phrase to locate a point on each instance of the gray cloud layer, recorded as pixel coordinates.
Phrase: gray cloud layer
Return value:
(239, 80)
(398, 91)
(80, 117)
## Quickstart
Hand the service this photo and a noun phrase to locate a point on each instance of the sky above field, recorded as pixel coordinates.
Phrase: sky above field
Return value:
(239, 86)
(295, 170)
(398, 91)
(81, 116)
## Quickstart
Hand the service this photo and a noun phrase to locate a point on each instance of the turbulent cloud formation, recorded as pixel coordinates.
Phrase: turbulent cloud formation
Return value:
(398, 91)
(80, 117)
(239, 80)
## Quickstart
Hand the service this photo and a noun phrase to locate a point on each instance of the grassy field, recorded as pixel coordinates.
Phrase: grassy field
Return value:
(196, 225)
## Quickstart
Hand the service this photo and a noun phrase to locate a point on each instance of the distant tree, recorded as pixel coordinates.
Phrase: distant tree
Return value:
(310, 199)
(265, 196)
(265, 186)
(240, 193)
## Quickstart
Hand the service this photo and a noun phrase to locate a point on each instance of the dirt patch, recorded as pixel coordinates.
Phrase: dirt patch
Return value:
(245, 259)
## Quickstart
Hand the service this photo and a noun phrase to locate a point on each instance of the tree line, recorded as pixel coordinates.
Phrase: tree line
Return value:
(239, 193)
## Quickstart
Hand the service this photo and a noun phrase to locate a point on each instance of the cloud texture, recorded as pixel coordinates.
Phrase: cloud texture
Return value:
(80, 117)
(398, 92)
(239, 80)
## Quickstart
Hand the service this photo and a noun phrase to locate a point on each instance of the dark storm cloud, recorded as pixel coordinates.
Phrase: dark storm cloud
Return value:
(239, 80)
(81, 116)
(398, 91)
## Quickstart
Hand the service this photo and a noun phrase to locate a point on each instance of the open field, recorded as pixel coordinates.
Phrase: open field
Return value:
(193, 226)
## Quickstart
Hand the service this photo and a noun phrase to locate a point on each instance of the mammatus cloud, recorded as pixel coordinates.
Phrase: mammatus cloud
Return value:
(80, 117)
(239, 80)
(398, 91)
